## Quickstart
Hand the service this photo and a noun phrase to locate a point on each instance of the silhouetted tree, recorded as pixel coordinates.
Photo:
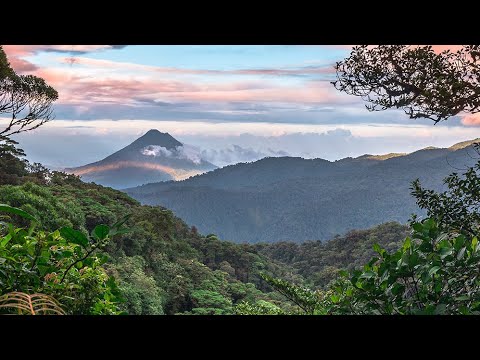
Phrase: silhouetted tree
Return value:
(416, 79)
(26, 99)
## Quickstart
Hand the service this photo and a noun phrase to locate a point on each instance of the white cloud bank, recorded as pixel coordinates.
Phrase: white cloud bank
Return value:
(185, 152)
(83, 142)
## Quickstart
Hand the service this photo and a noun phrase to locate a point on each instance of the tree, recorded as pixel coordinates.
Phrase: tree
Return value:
(26, 98)
(13, 167)
(456, 209)
(423, 83)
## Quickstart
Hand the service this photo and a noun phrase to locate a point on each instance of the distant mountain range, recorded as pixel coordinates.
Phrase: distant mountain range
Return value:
(155, 156)
(296, 199)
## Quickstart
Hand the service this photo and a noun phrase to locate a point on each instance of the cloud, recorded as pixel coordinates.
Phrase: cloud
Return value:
(16, 53)
(22, 66)
(189, 152)
(85, 141)
(471, 119)
(92, 88)
(304, 70)
(79, 87)
(235, 153)
(77, 49)
(156, 150)
(185, 152)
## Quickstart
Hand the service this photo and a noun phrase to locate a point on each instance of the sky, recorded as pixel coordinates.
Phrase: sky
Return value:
(232, 103)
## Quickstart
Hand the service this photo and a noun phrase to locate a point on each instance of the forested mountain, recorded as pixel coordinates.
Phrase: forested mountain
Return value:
(155, 156)
(164, 266)
(295, 199)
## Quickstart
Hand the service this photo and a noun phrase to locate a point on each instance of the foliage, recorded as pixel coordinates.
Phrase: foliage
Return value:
(306, 299)
(423, 83)
(433, 273)
(207, 302)
(456, 209)
(261, 307)
(140, 291)
(320, 262)
(34, 304)
(26, 98)
(61, 263)
(162, 266)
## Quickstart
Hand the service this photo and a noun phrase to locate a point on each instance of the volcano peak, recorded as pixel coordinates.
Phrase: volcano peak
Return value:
(155, 137)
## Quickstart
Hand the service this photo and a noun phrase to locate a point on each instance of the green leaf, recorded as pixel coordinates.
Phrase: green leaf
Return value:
(368, 275)
(5, 240)
(417, 227)
(17, 211)
(104, 258)
(121, 221)
(429, 224)
(343, 273)
(459, 241)
(433, 270)
(445, 251)
(461, 253)
(407, 244)
(474, 242)
(74, 236)
(100, 232)
(114, 232)
(398, 289)
(377, 248)
(425, 247)
(440, 309)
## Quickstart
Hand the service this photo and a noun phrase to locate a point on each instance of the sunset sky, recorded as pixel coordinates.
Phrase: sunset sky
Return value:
(235, 103)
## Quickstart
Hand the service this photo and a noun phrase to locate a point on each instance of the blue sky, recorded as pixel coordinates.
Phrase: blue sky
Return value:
(213, 97)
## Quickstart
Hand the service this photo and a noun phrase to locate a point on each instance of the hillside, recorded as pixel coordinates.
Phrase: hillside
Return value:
(319, 262)
(295, 199)
(164, 266)
(155, 156)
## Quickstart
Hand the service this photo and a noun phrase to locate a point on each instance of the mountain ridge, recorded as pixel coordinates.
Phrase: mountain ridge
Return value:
(296, 199)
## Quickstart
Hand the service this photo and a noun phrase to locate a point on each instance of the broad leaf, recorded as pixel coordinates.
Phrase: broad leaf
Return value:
(74, 236)
(100, 232)
(17, 211)
(433, 270)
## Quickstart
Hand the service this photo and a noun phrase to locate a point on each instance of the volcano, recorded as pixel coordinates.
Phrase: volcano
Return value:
(153, 157)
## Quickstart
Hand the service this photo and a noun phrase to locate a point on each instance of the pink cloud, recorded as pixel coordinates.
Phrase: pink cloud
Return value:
(82, 86)
(85, 90)
(22, 66)
(108, 64)
(235, 93)
(471, 119)
(16, 53)
(76, 89)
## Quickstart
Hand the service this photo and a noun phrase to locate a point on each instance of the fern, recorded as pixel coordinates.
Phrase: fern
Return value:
(34, 304)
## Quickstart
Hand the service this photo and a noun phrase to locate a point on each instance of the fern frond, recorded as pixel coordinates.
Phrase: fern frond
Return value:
(34, 304)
